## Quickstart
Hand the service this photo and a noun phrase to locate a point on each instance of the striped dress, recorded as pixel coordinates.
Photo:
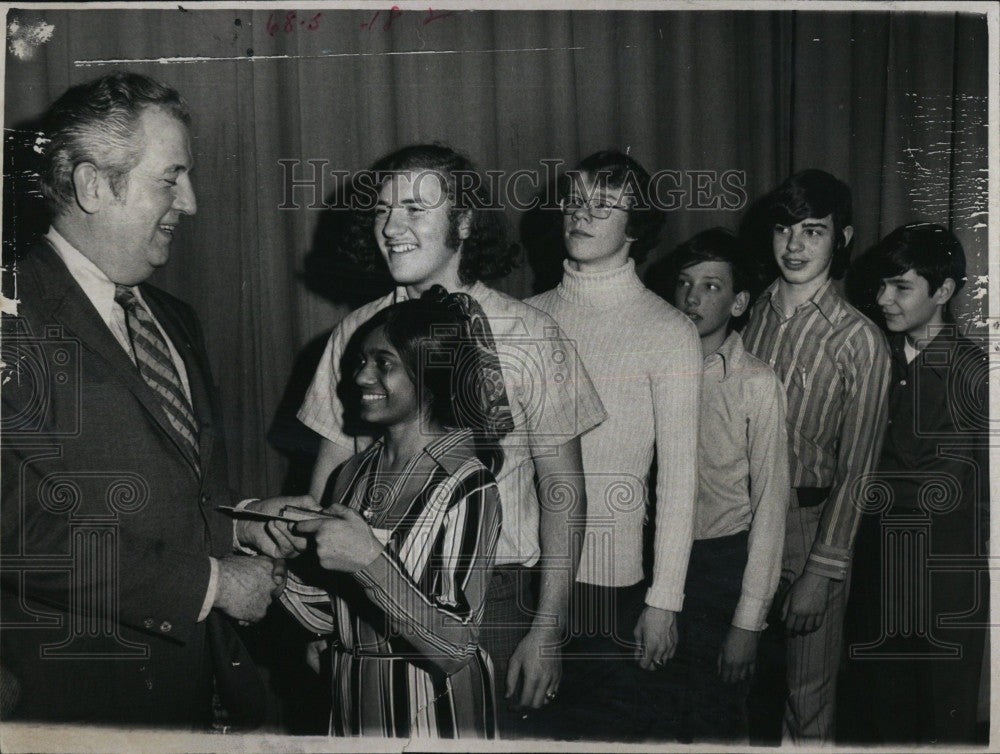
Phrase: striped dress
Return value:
(406, 659)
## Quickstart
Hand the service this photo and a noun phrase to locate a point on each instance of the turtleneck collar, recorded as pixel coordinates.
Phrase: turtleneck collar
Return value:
(600, 289)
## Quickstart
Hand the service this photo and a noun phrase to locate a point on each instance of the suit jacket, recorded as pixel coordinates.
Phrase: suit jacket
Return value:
(106, 526)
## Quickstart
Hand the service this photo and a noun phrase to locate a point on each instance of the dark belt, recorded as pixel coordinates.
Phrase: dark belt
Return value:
(810, 497)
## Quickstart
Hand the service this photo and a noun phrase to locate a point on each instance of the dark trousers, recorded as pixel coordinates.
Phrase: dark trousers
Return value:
(509, 611)
(690, 702)
(915, 647)
(600, 696)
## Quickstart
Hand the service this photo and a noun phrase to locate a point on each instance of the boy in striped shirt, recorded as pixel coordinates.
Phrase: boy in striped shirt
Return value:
(833, 363)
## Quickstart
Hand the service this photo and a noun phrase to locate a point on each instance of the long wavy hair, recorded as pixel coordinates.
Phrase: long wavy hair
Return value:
(486, 253)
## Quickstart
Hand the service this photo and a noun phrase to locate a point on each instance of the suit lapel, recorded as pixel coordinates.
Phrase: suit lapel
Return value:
(65, 302)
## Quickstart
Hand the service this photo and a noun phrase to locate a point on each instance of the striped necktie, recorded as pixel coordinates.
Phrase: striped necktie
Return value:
(156, 367)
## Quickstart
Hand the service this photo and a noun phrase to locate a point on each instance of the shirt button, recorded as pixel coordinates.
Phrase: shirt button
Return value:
(165, 627)
(148, 623)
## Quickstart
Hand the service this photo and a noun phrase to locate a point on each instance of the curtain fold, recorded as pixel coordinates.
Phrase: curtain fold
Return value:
(894, 103)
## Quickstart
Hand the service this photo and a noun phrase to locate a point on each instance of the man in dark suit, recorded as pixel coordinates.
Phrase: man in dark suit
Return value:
(118, 573)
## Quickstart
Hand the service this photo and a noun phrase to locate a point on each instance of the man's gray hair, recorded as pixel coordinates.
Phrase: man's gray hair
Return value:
(96, 122)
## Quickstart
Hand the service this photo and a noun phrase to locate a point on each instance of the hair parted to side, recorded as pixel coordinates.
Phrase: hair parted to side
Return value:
(432, 337)
(815, 193)
(714, 245)
(96, 122)
(612, 168)
(486, 254)
(931, 251)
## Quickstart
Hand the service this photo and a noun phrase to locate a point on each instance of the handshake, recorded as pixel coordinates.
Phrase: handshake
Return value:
(285, 527)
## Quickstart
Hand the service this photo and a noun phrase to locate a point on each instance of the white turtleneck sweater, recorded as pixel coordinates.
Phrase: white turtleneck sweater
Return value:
(645, 360)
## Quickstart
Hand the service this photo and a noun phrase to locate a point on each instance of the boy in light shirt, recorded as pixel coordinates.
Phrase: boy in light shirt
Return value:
(742, 500)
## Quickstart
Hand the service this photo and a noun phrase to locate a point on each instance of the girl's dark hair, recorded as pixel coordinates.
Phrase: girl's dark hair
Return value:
(431, 335)
(486, 254)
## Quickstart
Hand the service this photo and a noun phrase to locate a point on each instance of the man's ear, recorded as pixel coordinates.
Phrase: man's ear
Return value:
(740, 304)
(87, 187)
(465, 224)
(848, 235)
(943, 294)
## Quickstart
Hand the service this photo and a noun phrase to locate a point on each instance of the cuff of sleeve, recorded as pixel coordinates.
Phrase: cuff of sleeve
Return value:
(751, 613)
(828, 561)
(664, 600)
(376, 573)
(237, 547)
(213, 588)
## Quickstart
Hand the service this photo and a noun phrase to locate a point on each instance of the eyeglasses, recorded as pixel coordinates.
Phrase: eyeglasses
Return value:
(598, 207)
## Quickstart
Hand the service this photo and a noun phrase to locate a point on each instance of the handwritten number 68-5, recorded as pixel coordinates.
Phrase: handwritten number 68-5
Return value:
(288, 25)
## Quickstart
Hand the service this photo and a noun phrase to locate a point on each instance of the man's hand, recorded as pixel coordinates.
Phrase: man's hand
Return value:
(537, 664)
(247, 585)
(656, 634)
(805, 604)
(344, 540)
(738, 657)
(273, 538)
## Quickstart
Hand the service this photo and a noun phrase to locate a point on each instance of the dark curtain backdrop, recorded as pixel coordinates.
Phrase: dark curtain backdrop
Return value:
(894, 103)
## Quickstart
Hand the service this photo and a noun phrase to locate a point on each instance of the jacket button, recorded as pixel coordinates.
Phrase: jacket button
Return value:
(206, 497)
(148, 623)
(165, 627)
(149, 685)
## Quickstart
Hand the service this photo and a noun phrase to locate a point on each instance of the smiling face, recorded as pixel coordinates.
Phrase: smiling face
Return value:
(137, 227)
(909, 305)
(388, 395)
(804, 251)
(594, 243)
(414, 230)
(704, 292)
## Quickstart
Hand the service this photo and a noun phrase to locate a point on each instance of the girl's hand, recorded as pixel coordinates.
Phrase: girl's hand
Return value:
(344, 540)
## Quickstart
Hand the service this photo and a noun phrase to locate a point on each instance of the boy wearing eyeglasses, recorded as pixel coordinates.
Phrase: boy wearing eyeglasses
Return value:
(644, 358)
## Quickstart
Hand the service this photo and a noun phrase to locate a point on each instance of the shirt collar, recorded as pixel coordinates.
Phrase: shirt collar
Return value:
(826, 299)
(95, 284)
(730, 353)
(477, 290)
(944, 340)
(452, 450)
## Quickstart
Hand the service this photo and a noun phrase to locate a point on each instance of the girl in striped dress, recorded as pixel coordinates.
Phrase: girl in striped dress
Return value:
(406, 549)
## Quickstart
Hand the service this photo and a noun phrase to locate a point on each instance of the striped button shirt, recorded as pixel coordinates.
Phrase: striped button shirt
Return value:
(407, 660)
(834, 365)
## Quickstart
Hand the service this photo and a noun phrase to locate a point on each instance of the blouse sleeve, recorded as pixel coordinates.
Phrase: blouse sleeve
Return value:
(438, 611)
